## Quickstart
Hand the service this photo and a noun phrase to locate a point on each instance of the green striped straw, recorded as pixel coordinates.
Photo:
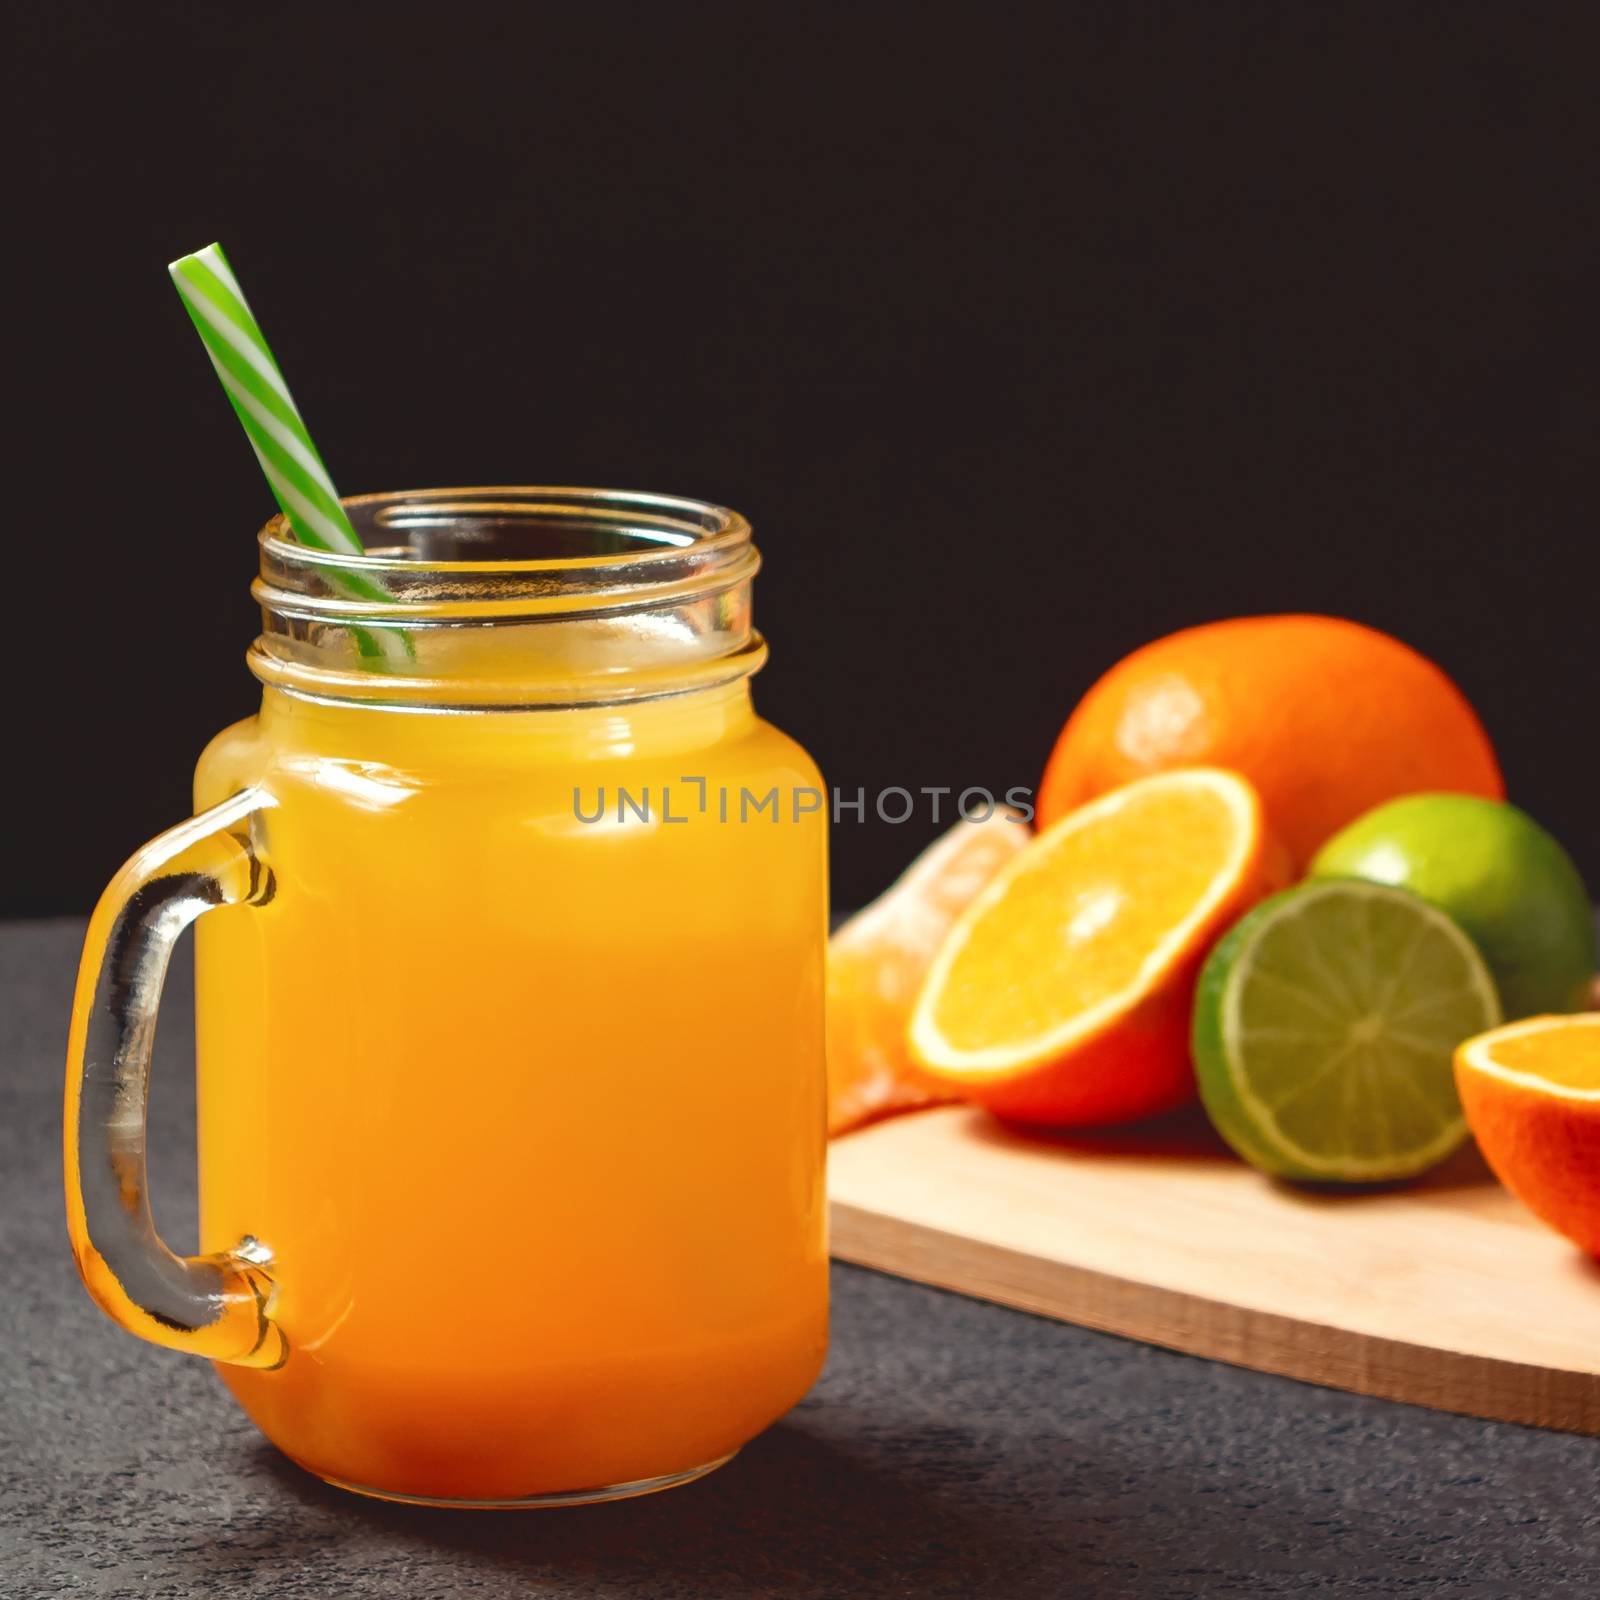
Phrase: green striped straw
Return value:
(272, 422)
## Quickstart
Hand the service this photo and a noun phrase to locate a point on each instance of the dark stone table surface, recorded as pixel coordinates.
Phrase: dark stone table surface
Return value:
(951, 1448)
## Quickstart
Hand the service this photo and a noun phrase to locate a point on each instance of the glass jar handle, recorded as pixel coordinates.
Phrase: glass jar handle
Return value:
(218, 1305)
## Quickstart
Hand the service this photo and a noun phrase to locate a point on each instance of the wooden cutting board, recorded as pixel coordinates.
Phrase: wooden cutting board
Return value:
(1443, 1292)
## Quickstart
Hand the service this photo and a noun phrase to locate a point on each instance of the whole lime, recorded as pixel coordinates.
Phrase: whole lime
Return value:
(1498, 874)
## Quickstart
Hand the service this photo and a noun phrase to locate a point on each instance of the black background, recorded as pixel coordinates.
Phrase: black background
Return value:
(1021, 342)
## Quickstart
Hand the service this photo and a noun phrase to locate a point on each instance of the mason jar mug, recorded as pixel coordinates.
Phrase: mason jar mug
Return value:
(509, 968)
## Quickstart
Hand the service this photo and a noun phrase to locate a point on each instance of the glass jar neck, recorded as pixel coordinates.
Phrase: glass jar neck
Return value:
(511, 599)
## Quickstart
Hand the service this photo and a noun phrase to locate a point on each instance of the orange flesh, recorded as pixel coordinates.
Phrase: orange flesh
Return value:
(1566, 1058)
(1080, 920)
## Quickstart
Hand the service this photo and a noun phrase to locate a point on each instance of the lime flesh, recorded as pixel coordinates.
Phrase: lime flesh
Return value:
(1324, 1028)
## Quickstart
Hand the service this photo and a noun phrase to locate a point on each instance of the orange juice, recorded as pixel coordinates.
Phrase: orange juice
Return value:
(509, 1012)
(527, 1107)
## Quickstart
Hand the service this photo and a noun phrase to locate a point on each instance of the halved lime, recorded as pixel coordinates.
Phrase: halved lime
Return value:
(1324, 1027)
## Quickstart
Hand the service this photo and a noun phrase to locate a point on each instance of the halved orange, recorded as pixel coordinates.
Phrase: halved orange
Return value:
(1062, 994)
(878, 959)
(1531, 1091)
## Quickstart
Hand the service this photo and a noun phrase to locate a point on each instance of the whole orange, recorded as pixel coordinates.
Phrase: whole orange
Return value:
(1327, 719)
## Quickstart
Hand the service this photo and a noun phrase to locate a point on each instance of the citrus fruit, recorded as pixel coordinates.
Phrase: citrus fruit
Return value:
(877, 960)
(1324, 1028)
(1532, 1096)
(1062, 993)
(1325, 717)
(1498, 874)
